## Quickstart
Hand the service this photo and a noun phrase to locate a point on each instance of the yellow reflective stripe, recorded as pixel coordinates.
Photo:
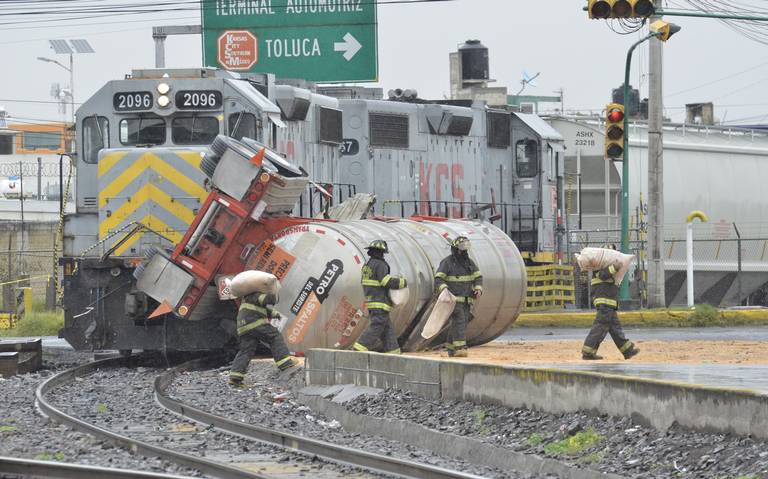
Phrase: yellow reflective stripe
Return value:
(459, 344)
(440, 275)
(464, 299)
(460, 279)
(588, 350)
(477, 274)
(283, 361)
(370, 282)
(359, 347)
(377, 305)
(478, 287)
(628, 345)
(596, 281)
(606, 301)
(262, 298)
(233, 374)
(394, 351)
(449, 346)
(244, 329)
(253, 307)
(441, 287)
(402, 283)
(385, 280)
(612, 269)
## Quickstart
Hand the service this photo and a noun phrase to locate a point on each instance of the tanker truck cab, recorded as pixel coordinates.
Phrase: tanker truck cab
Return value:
(539, 169)
(141, 181)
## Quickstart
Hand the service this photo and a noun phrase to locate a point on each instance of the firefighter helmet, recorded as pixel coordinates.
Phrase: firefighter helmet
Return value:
(461, 243)
(379, 245)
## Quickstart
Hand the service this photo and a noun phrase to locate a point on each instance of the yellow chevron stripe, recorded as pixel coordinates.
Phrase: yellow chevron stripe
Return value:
(110, 160)
(191, 157)
(148, 192)
(150, 221)
(151, 161)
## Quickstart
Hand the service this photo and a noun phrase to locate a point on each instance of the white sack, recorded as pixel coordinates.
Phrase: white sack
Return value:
(595, 259)
(440, 314)
(253, 281)
(399, 297)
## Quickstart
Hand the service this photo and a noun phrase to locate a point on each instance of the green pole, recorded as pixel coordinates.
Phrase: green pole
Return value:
(624, 291)
(720, 16)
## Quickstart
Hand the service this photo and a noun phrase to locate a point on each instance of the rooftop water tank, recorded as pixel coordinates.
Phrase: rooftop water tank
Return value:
(474, 61)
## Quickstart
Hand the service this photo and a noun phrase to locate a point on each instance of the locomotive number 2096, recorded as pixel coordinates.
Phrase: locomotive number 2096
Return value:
(132, 101)
(198, 100)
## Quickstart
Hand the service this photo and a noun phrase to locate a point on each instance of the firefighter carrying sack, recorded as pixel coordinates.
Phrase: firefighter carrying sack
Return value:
(595, 259)
(440, 314)
(253, 281)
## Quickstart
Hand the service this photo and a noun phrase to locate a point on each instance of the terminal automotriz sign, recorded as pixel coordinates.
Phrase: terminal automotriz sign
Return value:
(318, 40)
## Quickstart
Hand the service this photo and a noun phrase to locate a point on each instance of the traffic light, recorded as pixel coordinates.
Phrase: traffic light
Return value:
(614, 131)
(620, 8)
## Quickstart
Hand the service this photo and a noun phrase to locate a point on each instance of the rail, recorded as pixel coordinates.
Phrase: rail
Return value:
(330, 452)
(328, 195)
(33, 468)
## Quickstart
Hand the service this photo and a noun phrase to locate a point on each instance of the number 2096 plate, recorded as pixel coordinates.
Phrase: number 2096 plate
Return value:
(198, 99)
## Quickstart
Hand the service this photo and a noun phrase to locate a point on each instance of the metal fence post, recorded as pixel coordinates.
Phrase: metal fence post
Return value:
(738, 267)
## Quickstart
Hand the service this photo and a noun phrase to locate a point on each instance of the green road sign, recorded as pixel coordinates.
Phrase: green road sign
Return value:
(318, 40)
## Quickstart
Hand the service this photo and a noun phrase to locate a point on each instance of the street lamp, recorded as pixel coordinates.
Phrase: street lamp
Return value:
(69, 48)
(661, 30)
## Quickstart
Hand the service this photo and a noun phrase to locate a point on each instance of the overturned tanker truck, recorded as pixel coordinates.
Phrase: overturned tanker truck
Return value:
(246, 223)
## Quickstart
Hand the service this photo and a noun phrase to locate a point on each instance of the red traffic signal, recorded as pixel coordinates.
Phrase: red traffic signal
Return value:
(614, 131)
(615, 115)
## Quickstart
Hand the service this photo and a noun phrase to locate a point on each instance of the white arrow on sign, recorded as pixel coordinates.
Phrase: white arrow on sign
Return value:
(350, 46)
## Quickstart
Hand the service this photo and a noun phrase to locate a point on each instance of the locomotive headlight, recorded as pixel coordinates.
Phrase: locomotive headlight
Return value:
(163, 88)
(163, 101)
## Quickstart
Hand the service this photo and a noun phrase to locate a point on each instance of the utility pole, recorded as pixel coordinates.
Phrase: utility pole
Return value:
(159, 34)
(656, 282)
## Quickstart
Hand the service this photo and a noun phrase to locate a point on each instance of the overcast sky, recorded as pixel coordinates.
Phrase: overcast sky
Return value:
(554, 37)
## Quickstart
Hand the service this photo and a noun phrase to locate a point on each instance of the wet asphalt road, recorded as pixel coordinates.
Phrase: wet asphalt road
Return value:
(752, 377)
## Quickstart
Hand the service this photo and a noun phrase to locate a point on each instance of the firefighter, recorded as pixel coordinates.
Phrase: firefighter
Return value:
(462, 277)
(254, 329)
(377, 282)
(605, 292)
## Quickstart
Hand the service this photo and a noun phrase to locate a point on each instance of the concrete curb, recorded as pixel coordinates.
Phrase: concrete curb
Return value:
(647, 401)
(451, 445)
(651, 318)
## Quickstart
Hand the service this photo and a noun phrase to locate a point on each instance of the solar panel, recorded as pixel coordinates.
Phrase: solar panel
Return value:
(82, 46)
(60, 46)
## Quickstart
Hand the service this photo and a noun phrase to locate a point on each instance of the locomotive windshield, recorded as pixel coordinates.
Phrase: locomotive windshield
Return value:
(142, 131)
(194, 130)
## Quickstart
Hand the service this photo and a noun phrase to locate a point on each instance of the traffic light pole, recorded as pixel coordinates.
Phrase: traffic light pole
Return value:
(624, 291)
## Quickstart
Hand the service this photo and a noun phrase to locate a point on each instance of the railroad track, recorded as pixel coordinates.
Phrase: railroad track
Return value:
(58, 470)
(150, 439)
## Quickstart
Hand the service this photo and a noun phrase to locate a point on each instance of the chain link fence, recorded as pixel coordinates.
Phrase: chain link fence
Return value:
(727, 272)
(27, 260)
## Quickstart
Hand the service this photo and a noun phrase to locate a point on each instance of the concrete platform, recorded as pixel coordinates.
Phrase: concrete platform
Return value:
(653, 402)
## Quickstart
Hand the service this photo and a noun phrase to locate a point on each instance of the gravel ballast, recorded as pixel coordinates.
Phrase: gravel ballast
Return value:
(269, 402)
(24, 433)
(616, 445)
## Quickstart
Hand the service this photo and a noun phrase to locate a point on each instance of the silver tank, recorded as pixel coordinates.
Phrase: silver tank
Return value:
(320, 263)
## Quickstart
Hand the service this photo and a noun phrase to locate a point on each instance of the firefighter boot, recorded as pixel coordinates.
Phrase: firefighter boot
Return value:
(632, 352)
(461, 353)
(590, 357)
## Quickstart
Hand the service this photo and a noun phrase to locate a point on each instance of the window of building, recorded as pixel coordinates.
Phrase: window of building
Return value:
(194, 130)
(244, 125)
(142, 131)
(527, 155)
(95, 137)
(41, 140)
(330, 125)
(6, 144)
(388, 131)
